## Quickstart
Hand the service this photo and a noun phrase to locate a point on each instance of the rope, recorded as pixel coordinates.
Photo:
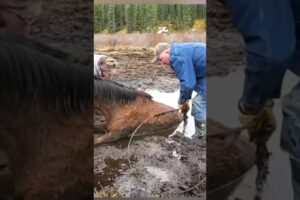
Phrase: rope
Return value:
(139, 126)
(190, 189)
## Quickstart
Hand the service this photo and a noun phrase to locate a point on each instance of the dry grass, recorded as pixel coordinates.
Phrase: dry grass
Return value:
(115, 41)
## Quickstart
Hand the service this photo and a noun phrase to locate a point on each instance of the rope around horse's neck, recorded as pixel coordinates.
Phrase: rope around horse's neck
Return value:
(139, 126)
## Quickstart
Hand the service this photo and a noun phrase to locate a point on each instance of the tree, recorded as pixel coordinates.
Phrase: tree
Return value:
(129, 12)
(111, 19)
(187, 16)
(97, 19)
(146, 17)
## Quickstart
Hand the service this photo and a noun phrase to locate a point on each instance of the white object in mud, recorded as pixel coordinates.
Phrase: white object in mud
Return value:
(176, 155)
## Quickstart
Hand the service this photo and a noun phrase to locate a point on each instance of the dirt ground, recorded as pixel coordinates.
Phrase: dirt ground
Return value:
(135, 70)
(225, 49)
(67, 25)
(153, 157)
(162, 167)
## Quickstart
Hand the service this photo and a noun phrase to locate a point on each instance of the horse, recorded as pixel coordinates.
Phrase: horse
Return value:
(46, 105)
(124, 109)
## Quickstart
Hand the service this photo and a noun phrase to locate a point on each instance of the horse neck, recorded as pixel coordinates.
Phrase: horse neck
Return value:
(105, 108)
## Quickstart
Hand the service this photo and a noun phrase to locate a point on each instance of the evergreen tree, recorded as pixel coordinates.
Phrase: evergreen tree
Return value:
(187, 16)
(111, 19)
(138, 18)
(104, 16)
(142, 17)
(97, 19)
(130, 21)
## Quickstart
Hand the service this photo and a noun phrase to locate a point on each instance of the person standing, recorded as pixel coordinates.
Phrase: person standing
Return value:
(188, 60)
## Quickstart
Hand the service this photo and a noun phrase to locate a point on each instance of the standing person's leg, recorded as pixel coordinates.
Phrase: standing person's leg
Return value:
(290, 135)
(199, 113)
(267, 27)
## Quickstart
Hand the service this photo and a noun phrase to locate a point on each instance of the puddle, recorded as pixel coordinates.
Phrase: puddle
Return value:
(277, 169)
(171, 99)
(114, 168)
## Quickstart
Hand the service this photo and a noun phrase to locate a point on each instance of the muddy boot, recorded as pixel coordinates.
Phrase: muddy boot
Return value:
(200, 130)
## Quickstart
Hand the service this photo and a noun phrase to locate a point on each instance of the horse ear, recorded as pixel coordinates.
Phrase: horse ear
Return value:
(148, 96)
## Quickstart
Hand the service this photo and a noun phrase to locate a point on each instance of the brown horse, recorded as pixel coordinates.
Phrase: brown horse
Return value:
(46, 121)
(125, 109)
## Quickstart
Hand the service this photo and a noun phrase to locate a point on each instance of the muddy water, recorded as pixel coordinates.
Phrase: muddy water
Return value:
(223, 107)
(114, 168)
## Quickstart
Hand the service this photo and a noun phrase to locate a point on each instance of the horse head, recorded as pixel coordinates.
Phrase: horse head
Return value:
(125, 109)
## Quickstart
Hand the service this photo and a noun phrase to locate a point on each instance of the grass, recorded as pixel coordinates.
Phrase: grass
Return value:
(115, 41)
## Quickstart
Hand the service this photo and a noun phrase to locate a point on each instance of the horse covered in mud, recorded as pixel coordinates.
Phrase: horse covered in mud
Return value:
(46, 121)
(126, 109)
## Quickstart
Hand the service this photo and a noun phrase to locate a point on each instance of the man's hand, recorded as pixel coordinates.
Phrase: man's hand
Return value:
(259, 124)
(184, 107)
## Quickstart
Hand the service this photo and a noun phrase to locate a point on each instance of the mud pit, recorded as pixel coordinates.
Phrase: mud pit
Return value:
(157, 171)
(66, 24)
(161, 166)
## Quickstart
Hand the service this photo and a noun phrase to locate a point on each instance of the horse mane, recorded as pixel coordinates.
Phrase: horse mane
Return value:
(116, 92)
(34, 72)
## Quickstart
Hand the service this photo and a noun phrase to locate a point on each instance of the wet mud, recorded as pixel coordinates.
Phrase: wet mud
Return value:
(225, 52)
(135, 70)
(66, 25)
(155, 158)
(161, 167)
(229, 157)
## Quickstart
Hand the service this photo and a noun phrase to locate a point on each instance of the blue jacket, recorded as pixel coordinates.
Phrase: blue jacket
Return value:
(188, 60)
